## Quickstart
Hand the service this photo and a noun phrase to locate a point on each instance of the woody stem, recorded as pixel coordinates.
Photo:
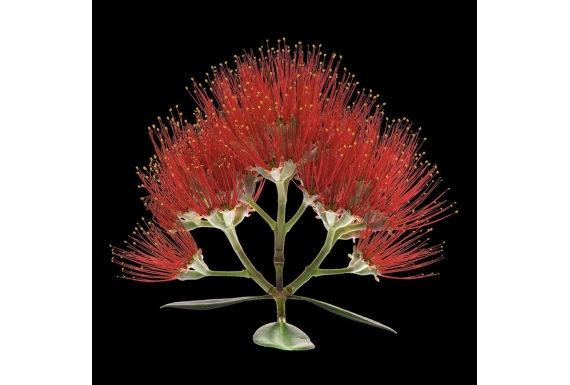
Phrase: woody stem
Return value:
(278, 256)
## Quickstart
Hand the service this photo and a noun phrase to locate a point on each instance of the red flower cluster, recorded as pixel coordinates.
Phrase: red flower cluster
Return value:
(155, 256)
(388, 252)
(284, 105)
(378, 171)
(193, 171)
(274, 107)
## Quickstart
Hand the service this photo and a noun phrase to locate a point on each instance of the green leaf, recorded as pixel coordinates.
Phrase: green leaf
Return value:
(206, 304)
(344, 313)
(281, 335)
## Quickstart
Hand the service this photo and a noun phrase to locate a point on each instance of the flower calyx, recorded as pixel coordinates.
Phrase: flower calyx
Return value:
(191, 220)
(309, 199)
(361, 267)
(228, 218)
(195, 270)
(285, 171)
(334, 220)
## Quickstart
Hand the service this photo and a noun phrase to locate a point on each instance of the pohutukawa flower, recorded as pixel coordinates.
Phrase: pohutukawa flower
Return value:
(403, 181)
(275, 106)
(288, 115)
(193, 171)
(153, 255)
(380, 173)
(393, 252)
(340, 172)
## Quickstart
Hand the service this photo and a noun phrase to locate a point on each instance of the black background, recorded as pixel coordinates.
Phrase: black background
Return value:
(418, 60)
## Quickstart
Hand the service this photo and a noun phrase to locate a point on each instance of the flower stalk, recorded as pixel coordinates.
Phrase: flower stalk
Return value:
(310, 270)
(307, 201)
(279, 256)
(260, 211)
(253, 272)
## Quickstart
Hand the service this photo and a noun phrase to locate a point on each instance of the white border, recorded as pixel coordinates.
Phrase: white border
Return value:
(45, 178)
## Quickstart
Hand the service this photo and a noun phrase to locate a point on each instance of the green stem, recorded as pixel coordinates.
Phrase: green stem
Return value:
(241, 273)
(311, 270)
(261, 212)
(278, 256)
(254, 274)
(296, 217)
(351, 228)
(321, 272)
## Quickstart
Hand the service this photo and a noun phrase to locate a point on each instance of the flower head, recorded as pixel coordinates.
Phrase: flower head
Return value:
(193, 171)
(389, 252)
(276, 105)
(155, 256)
(379, 173)
(340, 171)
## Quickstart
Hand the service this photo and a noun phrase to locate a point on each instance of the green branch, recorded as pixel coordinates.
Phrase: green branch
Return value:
(313, 267)
(241, 273)
(254, 274)
(351, 228)
(322, 272)
(261, 212)
(296, 217)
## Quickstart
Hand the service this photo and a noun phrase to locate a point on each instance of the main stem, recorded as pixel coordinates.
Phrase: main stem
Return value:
(278, 256)
(253, 273)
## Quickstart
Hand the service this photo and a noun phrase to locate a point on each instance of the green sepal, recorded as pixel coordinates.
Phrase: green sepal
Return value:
(189, 226)
(281, 335)
(196, 270)
(361, 267)
(207, 304)
(350, 235)
(289, 169)
(344, 313)
(309, 199)
(345, 220)
(240, 213)
(190, 275)
(333, 220)
(217, 220)
(285, 171)
(198, 263)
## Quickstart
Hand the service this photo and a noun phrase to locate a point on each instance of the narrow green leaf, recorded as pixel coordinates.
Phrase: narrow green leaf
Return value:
(206, 304)
(344, 313)
(281, 335)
